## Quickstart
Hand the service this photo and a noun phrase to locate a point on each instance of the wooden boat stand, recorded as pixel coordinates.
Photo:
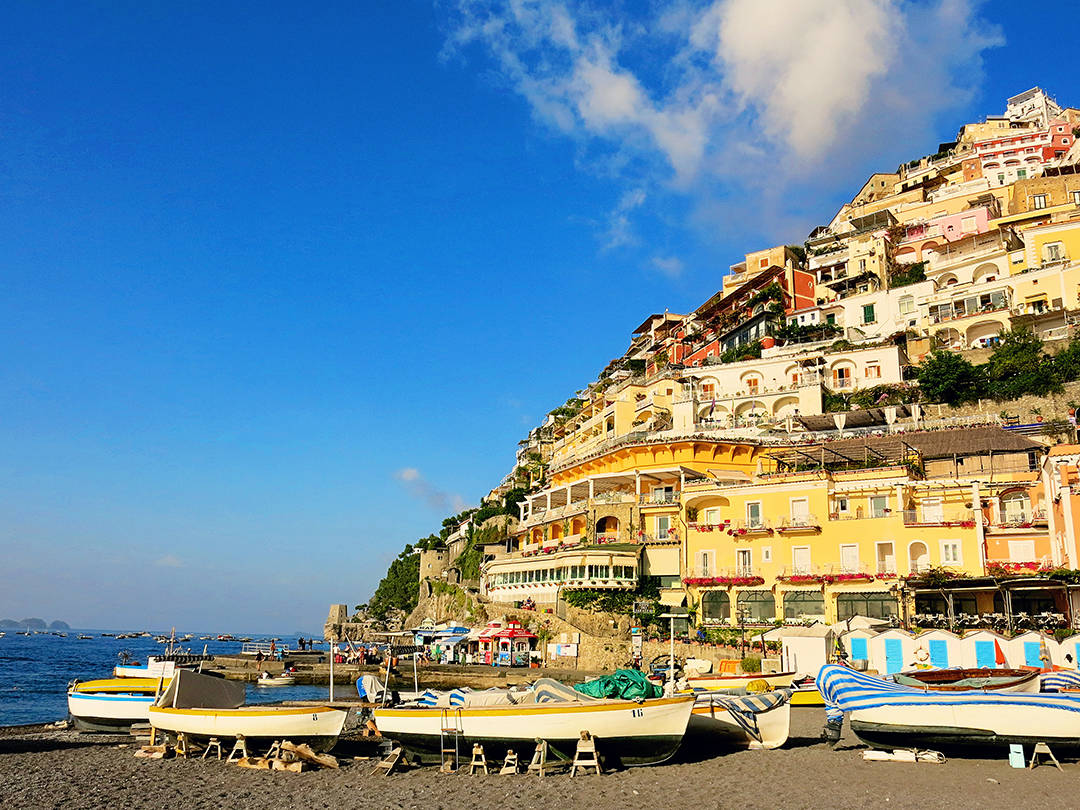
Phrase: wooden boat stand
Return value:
(510, 764)
(239, 749)
(479, 761)
(213, 744)
(585, 756)
(1043, 749)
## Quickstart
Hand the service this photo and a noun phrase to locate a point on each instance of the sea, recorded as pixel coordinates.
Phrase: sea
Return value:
(35, 670)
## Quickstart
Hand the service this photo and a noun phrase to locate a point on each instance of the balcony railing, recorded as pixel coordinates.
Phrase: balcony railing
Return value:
(735, 572)
(759, 526)
(962, 518)
(614, 497)
(799, 523)
(665, 537)
(660, 498)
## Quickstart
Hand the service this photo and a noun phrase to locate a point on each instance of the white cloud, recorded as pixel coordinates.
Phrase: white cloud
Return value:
(169, 561)
(670, 266)
(422, 489)
(620, 232)
(753, 96)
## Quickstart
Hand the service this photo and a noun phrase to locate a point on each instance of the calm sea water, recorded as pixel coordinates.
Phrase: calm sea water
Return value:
(35, 671)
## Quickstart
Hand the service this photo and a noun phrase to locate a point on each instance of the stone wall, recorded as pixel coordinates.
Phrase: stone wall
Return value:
(1054, 406)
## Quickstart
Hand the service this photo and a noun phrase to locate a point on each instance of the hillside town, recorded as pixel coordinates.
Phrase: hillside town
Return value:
(779, 455)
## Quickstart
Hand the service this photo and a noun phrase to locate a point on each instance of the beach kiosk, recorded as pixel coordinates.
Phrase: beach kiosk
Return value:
(487, 644)
(513, 644)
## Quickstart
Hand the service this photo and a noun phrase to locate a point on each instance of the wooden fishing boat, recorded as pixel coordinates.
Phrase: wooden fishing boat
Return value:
(113, 704)
(754, 721)
(318, 726)
(645, 732)
(884, 714)
(959, 680)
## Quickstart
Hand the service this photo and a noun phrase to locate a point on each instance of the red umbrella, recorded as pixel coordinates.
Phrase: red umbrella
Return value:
(999, 654)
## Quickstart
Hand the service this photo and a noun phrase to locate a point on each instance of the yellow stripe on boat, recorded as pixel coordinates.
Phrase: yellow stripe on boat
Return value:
(531, 708)
(121, 685)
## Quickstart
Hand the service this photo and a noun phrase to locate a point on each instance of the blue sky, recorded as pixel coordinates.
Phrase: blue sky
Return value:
(256, 261)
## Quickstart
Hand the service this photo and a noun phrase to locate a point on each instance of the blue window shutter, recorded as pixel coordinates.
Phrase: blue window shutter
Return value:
(939, 653)
(984, 654)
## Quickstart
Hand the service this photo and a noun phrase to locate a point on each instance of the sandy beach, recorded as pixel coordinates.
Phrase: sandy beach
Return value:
(47, 768)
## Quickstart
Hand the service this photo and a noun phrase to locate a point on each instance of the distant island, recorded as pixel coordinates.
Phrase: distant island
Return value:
(32, 624)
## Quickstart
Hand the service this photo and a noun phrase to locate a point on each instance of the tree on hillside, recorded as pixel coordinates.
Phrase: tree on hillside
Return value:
(947, 377)
(1067, 362)
(1019, 366)
(400, 588)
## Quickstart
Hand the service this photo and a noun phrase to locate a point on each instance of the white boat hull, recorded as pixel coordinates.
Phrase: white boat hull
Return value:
(320, 726)
(719, 721)
(286, 680)
(108, 712)
(633, 733)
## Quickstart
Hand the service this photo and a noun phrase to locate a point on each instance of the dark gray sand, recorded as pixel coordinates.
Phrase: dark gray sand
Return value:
(64, 769)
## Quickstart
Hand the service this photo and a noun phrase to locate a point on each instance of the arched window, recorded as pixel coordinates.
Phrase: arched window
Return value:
(757, 606)
(873, 604)
(715, 607)
(802, 604)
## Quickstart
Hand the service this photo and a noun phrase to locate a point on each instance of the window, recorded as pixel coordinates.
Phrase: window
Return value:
(800, 559)
(1014, 507)
(907, 305)
(849, 558)
(663, 524)
(1021, 551)
(950, 552)
(879, 506)
(798, 604)
(712, 516)
(752, 384)
(757, 606)
(830, 319)
(967, 225)
(766, 554)
(886, 559)
(715, 607)
(705, 565)
(1052, 252)
(1021, 174)
(842, 377)
(873, 605)
(753, 515)
(933, 511)
(841, 505)
(800, 512)
(744, 564)
(763, 263)
(868, 314)
(1075, 196)
(873, 371)
(862, 265)
(1038, 201)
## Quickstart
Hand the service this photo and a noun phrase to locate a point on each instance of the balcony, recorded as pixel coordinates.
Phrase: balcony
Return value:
(614, 497)
(660, 499)
(750, 528)
(798, 524)
(963, 519)
(669, 538)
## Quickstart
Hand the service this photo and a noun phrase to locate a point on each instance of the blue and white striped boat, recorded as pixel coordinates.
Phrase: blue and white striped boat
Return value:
(888, 715)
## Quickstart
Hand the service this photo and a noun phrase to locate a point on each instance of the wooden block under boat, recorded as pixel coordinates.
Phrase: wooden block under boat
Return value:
(291, 767)
(305, 752)
(256, 763)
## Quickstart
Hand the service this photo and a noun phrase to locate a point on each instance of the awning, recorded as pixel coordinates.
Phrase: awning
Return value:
(672, 597)
(452, 640)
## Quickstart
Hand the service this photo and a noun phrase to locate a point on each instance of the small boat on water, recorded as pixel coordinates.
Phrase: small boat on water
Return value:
(203, 706)
(84, 637)
(755, 721)
(112, 704)
(633, 732)
(885, 714)
(959, 680)
(266, 679)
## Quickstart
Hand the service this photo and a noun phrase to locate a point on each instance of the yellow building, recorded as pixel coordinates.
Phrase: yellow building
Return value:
(835, 532)
(609, 517)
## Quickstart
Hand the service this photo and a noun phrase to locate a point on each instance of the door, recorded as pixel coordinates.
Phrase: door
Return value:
(984, 655)
(849, 559)
(894, 655)
(800, 558)
(933, 511)
(939, 653)
(886, 558)
(800, 512)
(744, 562)
(753, 515)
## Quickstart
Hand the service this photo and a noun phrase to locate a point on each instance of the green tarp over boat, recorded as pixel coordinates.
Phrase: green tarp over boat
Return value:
(628, 684)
